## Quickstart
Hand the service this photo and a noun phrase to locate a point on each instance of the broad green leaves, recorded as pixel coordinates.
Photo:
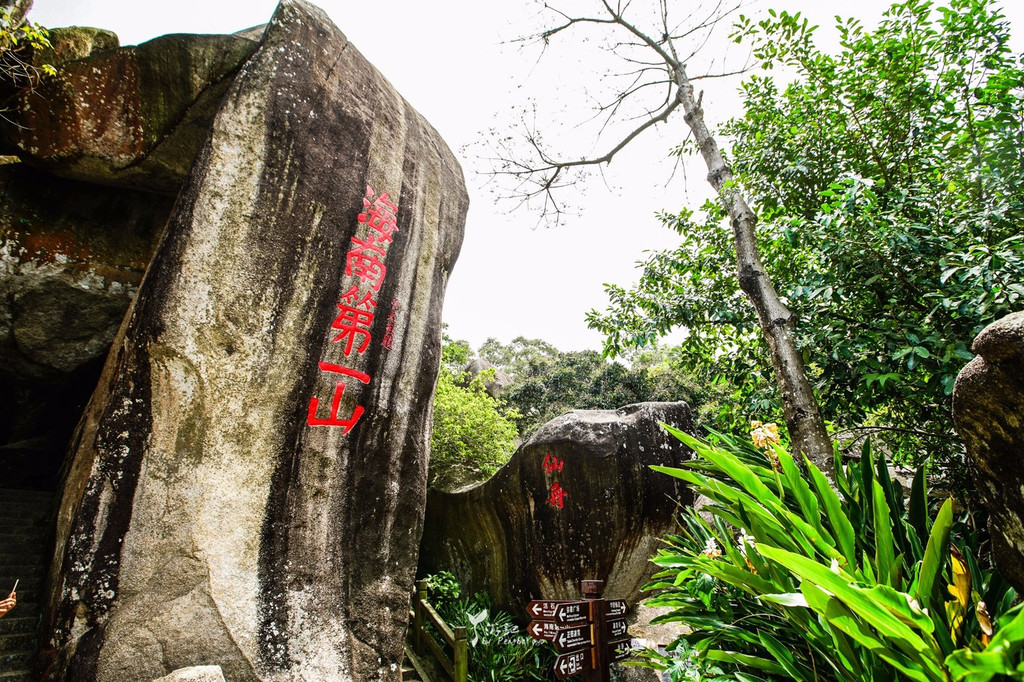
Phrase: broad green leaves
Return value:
(847, 582)
(889, 183)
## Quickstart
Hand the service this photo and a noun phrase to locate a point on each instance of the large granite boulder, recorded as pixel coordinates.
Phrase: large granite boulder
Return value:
(247, 484)
(577, 501)
(130, 117)
(988, 408)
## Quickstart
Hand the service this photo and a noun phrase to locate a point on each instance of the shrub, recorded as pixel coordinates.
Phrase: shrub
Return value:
(499, 650)
(471, 437)
(859, 584)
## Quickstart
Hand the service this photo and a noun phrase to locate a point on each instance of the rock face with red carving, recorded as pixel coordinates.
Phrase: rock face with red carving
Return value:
(988, 408)
(248, 482)
(577, 501)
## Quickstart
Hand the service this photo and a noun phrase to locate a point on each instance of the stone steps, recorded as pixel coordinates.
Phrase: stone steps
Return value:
(25, 545)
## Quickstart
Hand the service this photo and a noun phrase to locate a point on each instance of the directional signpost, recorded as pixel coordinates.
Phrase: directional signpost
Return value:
(572, 612)
(619, 651)
(544, 609)
(570, 639)
(588, 633)
(572, 664)
(542, 629)
(616, 628)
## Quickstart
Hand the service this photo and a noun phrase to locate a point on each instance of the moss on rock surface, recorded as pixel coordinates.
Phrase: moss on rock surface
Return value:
(218, 507)
(988, 407)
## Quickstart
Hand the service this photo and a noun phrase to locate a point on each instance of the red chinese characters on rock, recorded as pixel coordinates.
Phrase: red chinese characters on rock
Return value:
(354, 320)
(365, 262)
(551, 465)
(557, 498)
(389, 330)
(339, 390)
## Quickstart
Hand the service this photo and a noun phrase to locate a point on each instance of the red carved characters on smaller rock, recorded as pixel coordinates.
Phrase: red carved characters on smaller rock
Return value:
(557, 498)
(552, 464)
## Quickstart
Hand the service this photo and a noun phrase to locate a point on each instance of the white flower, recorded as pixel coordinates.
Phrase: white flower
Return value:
(744, 540)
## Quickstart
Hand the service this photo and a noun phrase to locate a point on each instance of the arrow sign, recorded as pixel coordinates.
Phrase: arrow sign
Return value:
(616, 607)
(572, 612)
(617, 628)
(567, 665)
(542, 629)
(544, 609)
(619, 651)
(568, 639)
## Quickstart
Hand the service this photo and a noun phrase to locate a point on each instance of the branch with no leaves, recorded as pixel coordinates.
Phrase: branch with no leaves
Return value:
(531, 173)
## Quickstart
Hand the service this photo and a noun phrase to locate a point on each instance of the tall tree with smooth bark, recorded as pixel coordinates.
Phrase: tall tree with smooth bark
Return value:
(655, 54)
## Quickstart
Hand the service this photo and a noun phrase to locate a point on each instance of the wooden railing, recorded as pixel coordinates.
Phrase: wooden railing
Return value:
(423, 640)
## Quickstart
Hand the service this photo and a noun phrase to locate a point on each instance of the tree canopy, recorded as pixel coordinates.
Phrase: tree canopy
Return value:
(889, 183)
(473, 434)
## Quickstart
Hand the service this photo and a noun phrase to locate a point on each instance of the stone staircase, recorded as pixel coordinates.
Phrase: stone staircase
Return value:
(25, 544)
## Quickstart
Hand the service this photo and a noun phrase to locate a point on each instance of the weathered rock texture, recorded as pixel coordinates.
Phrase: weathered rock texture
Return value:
(198, 673)
(510, 536)
(72, 253)
(988, 408)
(203, 519)
(71, 258)
(496, 383)
(130, 117)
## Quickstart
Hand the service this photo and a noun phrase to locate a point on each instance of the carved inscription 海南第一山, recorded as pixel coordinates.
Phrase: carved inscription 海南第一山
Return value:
(364, 263)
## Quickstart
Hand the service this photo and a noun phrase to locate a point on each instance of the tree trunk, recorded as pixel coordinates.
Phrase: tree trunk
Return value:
(16, 10)
(803, 419)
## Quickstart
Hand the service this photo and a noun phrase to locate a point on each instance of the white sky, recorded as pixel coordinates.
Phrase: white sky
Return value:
(447, 58)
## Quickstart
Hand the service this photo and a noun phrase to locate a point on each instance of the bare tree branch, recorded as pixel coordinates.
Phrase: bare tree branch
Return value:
(544, 174)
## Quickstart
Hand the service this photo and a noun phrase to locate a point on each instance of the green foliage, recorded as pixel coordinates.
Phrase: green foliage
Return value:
(498, 649)
(547, 382)
(845, 581)
(471, 437)
(442, 587)
(889, 184)
(16, 35)
(521, 358)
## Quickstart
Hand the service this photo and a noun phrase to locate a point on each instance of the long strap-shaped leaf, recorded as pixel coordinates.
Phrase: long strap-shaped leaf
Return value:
(896, 633)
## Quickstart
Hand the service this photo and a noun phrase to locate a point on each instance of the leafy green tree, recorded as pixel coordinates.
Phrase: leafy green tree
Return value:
(521, 357)
(889, 181)
(547, 382)
(655, 85)
(473, 434)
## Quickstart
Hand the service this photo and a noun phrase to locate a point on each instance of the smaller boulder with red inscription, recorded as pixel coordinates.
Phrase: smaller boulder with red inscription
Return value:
(576, 501)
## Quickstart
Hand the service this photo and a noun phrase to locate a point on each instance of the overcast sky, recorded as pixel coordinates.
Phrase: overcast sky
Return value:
(451, 60)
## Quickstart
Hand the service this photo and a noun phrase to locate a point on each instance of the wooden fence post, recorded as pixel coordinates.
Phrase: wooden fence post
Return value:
(461, 651)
